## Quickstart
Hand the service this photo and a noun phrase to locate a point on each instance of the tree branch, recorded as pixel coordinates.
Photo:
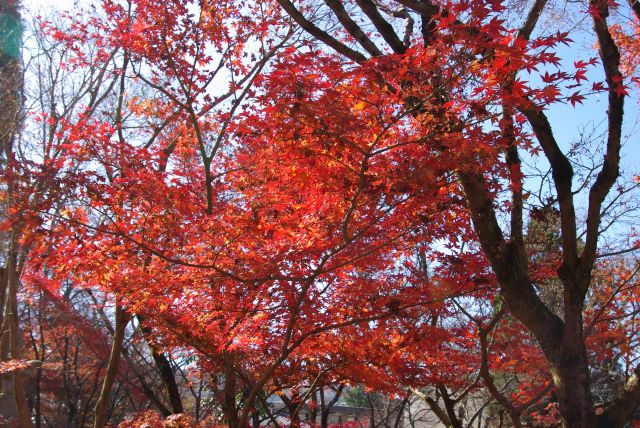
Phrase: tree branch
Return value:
(319, 34)
(610, 168)
(384, 28)
(562, 173)
(532, 19)
(352, 27)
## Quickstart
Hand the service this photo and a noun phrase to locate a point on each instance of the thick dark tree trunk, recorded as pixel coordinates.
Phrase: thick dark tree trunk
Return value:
(164, 369)
(569, 369)
(229, 406)
(168, 379)
(565, 351)
(571, 379)
(102, 405)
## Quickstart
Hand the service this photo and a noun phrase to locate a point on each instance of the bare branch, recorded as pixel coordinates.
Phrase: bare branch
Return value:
(385, 29)
(319, 34)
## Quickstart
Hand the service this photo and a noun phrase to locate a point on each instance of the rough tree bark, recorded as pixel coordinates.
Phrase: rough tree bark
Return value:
(229, 405)
(164, 369)
(102, 405)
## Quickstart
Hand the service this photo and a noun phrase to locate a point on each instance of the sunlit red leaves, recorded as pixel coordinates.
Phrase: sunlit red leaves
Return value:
(310, 197)
(305, 225)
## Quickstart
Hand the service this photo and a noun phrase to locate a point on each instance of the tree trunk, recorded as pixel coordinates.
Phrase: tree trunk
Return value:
(574, 396)
(314, 407)
(7, 401)
(566, 355)
(168, 379)
(570, 373)
(102, 405)
(165, 371)
(449, 406)
(11, 331)
(325, 408)
(400, 413)
(324, 411)
(229, 407)
(372, 411)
